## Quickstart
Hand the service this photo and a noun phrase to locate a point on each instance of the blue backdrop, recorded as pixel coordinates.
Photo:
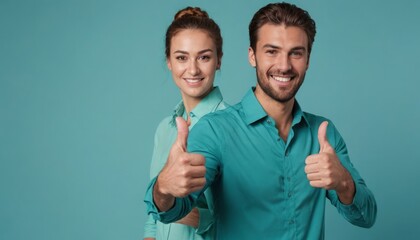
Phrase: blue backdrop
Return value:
(83, 85)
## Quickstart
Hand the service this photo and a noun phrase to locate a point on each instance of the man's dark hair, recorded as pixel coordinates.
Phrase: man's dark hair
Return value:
(282, 13)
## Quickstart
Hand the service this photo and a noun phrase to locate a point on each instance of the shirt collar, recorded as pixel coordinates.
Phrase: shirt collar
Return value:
(254, 111)
(252, 108)
(205, 106)
(208, 104)
(298, 114)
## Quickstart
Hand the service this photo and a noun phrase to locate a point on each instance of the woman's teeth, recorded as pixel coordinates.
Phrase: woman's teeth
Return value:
(194, 80)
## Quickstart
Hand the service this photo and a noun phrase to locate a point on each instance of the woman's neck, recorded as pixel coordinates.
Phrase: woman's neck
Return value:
(191, 102)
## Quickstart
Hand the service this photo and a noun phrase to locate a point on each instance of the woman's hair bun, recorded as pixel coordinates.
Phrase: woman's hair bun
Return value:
(191, 12)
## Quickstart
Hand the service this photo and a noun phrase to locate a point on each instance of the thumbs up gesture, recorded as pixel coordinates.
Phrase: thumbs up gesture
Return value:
(324, 170)
(183, 172)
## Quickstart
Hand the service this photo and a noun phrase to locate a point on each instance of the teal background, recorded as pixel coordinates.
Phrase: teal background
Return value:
(83, 85)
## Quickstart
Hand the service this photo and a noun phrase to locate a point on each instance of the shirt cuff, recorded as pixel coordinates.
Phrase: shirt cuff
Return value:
(362, 211)
(165, 217)
(353, 210)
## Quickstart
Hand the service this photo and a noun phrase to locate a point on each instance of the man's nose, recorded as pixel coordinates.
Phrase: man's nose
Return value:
(283, 63)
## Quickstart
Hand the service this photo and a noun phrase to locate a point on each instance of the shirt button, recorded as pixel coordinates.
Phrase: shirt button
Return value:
(291, 222)
(289, 195)
(269, 121)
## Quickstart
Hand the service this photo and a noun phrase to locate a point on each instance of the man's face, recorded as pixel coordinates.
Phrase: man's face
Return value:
(281, 59)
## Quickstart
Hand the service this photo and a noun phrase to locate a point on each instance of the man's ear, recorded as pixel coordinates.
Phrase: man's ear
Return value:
(307, 63)
(251, 57)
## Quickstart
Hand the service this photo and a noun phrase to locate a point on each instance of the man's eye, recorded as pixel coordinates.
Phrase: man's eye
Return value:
(271, 52)
(296, 54)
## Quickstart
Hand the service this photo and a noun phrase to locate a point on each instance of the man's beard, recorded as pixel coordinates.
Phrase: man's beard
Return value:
(279, 97)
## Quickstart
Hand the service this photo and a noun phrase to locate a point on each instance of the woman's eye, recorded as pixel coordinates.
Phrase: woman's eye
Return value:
(181, 58)
(204, 58)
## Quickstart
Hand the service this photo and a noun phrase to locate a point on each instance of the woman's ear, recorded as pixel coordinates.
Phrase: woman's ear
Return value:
(219, 62)
(168, 63)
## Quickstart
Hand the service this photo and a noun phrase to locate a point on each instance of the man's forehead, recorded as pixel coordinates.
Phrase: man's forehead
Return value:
(276, 35)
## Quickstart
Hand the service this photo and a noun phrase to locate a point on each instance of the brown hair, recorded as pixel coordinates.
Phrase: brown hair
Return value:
(282, 13)
(194, 18)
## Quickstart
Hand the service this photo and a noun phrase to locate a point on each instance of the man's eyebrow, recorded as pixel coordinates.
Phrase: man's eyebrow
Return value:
(300, 48)
(271, 46)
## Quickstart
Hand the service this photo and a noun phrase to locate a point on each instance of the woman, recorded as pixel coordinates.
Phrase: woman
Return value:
(193, 54)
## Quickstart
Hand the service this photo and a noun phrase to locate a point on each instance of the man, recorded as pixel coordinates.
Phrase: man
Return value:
(270, 165)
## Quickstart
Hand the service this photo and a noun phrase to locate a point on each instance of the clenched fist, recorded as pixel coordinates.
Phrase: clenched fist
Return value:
(324, 170)
(183, 172)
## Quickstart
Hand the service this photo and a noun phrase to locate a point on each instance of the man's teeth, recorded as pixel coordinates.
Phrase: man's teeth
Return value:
(193, 80)
(281, 79)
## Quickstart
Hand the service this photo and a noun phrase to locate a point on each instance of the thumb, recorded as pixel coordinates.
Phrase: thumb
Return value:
(322, 137)
(182, 137)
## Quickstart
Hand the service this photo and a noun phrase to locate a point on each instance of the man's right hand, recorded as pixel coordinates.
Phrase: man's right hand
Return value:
(182, 174)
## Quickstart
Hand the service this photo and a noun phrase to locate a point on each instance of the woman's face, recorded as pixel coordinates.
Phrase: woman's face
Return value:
(193, 62)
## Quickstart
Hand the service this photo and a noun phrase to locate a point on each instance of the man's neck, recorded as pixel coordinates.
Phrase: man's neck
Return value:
(281, 112)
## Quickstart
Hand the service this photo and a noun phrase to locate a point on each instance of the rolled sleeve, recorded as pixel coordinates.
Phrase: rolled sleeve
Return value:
(362, 211)
(182, 206)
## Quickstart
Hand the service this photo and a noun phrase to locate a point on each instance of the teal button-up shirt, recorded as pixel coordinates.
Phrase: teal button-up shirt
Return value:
(165, 136)
(258, 179)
